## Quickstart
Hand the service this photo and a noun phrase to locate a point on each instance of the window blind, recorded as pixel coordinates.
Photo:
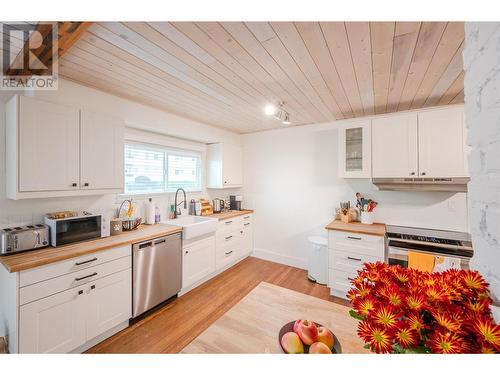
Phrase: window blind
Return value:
(155, 169)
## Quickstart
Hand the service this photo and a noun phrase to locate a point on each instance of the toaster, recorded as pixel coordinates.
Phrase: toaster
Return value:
(29, 237)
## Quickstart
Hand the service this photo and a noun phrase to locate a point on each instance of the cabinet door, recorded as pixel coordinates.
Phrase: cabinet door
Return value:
(55, 324)
(441, 143)
(394, 146)
(102, 148)
(48, 146)
(109, 302)
(232, 165)
(198, 261)
(355, 150)
(246, 239)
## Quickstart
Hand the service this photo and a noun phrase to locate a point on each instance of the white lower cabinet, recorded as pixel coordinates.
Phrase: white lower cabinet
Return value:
(347, 254)
(54, 324)
(109, 303)
(198, 260)
(204, 258)
(62, 319)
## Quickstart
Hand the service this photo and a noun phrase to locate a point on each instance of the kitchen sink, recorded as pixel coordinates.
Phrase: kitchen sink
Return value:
(194, 226)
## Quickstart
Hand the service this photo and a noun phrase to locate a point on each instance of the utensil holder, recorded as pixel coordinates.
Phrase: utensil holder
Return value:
(367, 217)
(347, 218)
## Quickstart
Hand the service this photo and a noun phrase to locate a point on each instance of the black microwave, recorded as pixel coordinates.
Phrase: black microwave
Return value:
(74, 229)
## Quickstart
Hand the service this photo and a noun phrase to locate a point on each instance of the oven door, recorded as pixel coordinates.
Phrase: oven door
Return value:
(398, 256)
(77, 229)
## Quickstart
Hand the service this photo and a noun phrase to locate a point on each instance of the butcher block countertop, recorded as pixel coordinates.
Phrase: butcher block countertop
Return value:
(230, 214)
(253, 324)
(375, 229)
(35, 258)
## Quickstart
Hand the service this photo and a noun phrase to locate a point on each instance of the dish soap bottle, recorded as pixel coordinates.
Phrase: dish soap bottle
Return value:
(150, 212)
(157, 214)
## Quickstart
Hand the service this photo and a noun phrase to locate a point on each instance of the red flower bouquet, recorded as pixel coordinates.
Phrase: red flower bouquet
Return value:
(409, 311)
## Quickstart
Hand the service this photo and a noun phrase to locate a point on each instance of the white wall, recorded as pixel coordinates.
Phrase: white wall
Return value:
(290, 179)
(136, 116)
(482, 112)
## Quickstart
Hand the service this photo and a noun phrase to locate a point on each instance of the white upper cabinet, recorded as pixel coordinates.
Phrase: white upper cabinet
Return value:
(224, 166)
(394, 146)
(101, 145)
(56, 150)
(355, 149)
(441, 143)
(48, 146)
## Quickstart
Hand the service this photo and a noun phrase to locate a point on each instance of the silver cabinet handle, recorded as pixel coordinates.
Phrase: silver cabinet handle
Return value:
(85, 277)
(246, 217)
(228, 238)
(229, 252)
(229, 222)
(86, 261)
(350, 279)
(246, 224)
(356, 259)
(354, 238)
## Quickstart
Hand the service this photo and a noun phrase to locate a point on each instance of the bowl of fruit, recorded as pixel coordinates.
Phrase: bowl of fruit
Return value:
(305, 336)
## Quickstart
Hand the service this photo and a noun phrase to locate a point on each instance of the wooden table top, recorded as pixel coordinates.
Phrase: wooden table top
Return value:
(230, 214)
(35, 258)
(376, 229)
(253, 324)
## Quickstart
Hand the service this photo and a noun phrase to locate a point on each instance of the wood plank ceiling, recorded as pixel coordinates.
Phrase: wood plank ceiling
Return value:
(224, 73)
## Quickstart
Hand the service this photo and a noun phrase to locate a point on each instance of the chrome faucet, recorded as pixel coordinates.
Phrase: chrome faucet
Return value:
(177, 212)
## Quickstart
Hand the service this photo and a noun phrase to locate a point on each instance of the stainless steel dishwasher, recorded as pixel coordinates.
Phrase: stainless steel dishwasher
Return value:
(157, 272)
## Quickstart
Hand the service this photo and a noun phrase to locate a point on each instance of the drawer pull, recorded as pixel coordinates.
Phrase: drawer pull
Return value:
(92, 287)
(228, 238)
(246, 224)
(356, 259)
(350, 279)
(354, 238)
(246, 217)
(85, 261)
(80, 292)
(229, 222)
(85, 277)
(229, 252)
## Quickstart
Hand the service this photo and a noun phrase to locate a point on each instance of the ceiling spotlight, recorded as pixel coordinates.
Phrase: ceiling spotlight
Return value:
(270, 109)
(286, 120)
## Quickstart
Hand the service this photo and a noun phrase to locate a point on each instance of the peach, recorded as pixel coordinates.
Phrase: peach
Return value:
(319, 348)
(307, 331)
(291, 343)
(326, 337)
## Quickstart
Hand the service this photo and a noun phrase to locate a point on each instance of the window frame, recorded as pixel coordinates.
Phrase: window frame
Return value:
(166, 150)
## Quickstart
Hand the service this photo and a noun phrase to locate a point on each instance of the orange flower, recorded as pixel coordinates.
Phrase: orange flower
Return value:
(473, 280)
(415, 322)
(406, 336)
(378, 338)
(446, 343)
(385, 316)
(393, 295)
(415, 301)
(364, 306)
(488, 332)
(448, 322)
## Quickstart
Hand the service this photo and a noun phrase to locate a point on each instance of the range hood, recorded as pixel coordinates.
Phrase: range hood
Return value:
(453, 184)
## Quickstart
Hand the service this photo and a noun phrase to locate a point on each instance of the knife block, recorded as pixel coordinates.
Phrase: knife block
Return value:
(347, 218)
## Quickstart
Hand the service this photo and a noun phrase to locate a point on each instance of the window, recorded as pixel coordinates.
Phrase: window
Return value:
(155, 169)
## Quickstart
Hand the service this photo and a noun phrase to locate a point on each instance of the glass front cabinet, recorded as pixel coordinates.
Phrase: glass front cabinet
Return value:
(355, 149)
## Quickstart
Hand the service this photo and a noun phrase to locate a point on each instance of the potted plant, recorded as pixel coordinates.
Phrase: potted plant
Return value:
(409, 311)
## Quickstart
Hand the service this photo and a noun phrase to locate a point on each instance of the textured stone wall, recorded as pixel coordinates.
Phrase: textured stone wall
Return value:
(482, 111)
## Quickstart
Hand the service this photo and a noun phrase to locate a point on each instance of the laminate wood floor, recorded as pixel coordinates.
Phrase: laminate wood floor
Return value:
(170, 328)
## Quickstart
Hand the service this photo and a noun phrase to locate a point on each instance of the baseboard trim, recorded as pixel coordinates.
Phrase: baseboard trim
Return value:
(280, 258)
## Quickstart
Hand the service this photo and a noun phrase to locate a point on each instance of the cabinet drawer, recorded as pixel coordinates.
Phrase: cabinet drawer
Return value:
(227, 256)
(48, 287)
(357, 243)
(350, 262)
(229, 224)
(340, 280)
(50, 271)
(227, 238)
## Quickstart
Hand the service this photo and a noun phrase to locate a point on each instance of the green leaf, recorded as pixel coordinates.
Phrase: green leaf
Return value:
(355, 315)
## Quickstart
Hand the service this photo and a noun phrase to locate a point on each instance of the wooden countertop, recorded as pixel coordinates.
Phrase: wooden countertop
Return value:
(35, 258)
(230, 214)
(253, 324)
(376, 229)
